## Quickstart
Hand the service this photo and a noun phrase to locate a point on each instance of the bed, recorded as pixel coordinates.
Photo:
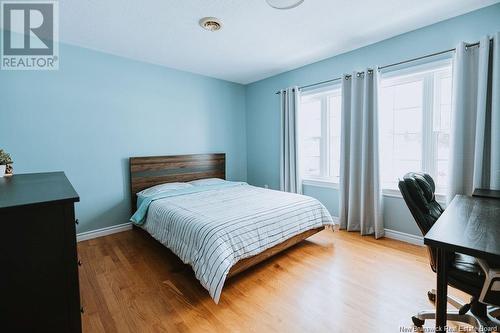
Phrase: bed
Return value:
(218, 227)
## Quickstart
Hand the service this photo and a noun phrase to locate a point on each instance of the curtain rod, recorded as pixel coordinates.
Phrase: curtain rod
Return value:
(390, 65)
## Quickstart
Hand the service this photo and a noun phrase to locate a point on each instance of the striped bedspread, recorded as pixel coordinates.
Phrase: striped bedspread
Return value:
(214, 228)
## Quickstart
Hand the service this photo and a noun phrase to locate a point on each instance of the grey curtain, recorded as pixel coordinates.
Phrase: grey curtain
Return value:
(360, 193)
(289, 161)
(475, 127)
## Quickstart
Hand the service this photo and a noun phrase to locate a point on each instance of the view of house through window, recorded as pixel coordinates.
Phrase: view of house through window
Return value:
(414, 116)
(319, 134)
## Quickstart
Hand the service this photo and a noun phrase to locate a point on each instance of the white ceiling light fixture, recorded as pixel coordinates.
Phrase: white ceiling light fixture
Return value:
(284, 4)
(210, 23)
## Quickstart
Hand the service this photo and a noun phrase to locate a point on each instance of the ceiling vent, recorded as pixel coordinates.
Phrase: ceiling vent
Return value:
(210, 23)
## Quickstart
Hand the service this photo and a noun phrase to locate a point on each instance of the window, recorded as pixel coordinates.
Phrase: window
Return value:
(415, 112)
(319, 134)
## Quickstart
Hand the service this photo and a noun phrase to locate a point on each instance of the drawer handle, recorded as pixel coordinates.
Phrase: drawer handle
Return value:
(79, 263)
(76, 221)
(81, 309)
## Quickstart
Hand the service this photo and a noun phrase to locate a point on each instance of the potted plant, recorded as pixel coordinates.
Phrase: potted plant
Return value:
(4, 160)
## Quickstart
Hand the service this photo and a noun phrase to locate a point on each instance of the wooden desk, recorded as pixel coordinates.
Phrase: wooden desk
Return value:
(469, 225)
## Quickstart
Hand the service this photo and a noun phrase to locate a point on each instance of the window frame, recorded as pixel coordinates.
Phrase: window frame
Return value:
(444, 68)
(427, 73)
(325, 179)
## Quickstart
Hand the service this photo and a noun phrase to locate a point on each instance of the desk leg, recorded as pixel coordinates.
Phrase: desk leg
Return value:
(441, 289)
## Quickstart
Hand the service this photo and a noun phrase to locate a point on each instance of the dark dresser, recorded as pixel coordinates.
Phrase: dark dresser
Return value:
(39, 290)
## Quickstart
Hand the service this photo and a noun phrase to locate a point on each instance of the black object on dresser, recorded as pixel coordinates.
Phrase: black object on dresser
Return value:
(39, 289)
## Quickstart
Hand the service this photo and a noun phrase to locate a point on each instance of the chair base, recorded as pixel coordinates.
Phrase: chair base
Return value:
(494, 315)
(478, 324)
(463, 315)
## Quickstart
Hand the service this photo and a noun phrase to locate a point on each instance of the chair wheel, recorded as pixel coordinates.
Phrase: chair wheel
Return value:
(431, 296)
(417, 321)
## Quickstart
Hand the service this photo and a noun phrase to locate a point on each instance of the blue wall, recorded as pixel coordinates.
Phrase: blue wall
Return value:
(98, 109)
(263, 105)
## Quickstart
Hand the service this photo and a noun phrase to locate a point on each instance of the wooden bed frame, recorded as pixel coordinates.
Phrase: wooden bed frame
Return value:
(154, 170)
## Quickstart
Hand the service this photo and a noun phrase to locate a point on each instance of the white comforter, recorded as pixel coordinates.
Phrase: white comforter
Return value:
(212, 230)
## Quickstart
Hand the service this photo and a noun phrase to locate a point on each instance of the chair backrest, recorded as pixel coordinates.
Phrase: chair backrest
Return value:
(418, 190)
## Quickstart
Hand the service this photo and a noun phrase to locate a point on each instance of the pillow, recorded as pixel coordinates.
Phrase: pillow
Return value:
(163, 188)
(207, 181)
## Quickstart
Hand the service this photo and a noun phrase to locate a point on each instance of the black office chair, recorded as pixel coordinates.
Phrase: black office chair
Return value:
(465, 272)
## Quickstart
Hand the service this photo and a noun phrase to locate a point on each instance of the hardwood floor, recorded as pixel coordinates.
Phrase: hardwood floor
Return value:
(332, 282)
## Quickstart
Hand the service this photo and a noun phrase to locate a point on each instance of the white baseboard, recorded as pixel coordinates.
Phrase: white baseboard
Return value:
(393, 234)
(404, 237)
(103, 231)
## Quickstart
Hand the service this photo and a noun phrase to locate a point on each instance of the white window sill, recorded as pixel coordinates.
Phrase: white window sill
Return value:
(320, 183)
(392, 193)
(386, 192)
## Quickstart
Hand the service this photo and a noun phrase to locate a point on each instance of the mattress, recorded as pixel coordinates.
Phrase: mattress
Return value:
(213, 227)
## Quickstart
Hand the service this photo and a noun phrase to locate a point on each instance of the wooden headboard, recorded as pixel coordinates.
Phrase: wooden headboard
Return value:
(154, 170)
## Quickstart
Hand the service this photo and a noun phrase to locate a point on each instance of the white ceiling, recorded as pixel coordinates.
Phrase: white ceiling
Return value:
(256, 41)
